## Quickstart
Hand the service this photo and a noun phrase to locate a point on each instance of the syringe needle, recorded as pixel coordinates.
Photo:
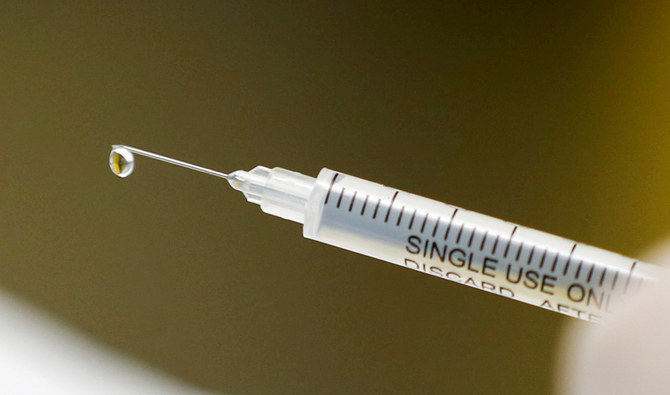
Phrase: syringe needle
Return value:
(122, 162)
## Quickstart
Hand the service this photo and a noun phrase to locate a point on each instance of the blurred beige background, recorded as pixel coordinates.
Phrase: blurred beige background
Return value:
(552, 116)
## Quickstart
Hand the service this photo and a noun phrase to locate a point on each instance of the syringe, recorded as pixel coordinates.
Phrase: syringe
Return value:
(436, 238)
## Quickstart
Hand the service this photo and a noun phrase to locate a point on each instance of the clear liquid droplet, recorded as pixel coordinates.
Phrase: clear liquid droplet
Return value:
(122, 162)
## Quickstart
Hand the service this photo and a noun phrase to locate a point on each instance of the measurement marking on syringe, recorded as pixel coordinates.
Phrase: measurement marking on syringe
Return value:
(437, 223)
(446, 233)
(365, 203)
(509, 242)
(567, 263)
(553, 265)
(374, 215)
(588, 278)
(332, 182)
(353, 199)
(544, 255)
(630, 274)
(411, 221)
(339, 200)
(602, 277)
(495, 245)
(402, 209)
(390, 207)
(579, 268)
(481, 246)
(530, 257)
(472, 235)
(518, 253)
(460, 232)
(423, 225)
(616, 275)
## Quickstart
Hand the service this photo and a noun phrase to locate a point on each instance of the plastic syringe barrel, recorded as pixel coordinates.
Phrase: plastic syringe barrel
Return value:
(448, 242)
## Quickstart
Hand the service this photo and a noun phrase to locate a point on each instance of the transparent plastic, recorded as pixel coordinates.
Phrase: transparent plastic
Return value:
(470, 248)
(278, 191)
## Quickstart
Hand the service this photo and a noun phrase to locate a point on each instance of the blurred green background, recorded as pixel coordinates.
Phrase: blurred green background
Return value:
(555, 116)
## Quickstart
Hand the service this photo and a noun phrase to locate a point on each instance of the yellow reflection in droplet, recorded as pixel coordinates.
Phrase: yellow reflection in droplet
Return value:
(121, 162)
